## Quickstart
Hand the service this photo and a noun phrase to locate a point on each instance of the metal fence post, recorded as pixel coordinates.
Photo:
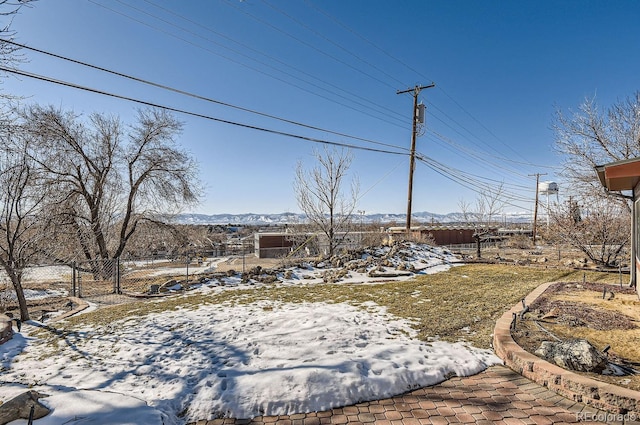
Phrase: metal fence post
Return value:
(74, 292)
(114, 264)
(79, 280)
(118, 287)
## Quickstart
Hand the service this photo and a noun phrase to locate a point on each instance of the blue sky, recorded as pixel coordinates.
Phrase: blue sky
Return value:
(500, 69)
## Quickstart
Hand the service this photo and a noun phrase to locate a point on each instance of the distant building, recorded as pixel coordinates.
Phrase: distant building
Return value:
(280, 244)
(441, 234)
(272, 244)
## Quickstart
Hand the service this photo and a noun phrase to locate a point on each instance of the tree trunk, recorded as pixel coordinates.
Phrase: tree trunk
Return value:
(22, 301)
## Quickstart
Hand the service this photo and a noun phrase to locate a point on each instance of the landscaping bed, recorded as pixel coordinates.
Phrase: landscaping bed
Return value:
(606, 315)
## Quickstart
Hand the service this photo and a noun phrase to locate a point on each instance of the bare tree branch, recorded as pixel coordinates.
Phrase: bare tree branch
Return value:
(600, 231)
(320, 195)
(108, 176)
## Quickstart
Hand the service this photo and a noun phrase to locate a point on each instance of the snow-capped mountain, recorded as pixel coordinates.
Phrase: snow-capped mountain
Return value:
(418, 218)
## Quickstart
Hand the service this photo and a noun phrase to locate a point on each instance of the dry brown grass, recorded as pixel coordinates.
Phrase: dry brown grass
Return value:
(582, 312)
(460, 304)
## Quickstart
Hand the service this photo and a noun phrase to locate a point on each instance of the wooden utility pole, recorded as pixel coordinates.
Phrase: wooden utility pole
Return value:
(412, 161)
(535, 208)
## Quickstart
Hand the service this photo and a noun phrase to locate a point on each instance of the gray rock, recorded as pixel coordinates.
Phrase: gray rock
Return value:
(574, 354)
(20, 407)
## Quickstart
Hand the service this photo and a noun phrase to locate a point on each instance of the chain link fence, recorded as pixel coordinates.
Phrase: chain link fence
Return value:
(103, 282)
(112, 281)
(94, 278)
(45, 286)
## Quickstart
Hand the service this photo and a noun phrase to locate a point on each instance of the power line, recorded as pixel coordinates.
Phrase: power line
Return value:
(462, 127)
(375, 45)
(497, 156)
(439, 168)
(367, 104)
(196, 96)
(270, 57)
(419, 73)
(471, 176)
(469, 183)
(266, 115)
(380, 180)
(304, 43)
(480, 160)
(194, 114)
(468, 178)
(482, 125)
(479, 154)
(474, 157)
(328, 40)
(120, 74)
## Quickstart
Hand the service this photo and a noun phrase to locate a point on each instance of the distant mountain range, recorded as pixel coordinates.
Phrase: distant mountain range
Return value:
(292, 218)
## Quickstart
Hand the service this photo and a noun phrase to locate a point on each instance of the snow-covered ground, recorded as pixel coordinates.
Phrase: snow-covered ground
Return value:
(208, 265)
(261, 358)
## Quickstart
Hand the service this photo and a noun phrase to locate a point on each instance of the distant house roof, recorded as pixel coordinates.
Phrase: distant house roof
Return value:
(620, 175)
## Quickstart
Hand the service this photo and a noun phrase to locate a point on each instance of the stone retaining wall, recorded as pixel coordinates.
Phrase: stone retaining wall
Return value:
(569, 384)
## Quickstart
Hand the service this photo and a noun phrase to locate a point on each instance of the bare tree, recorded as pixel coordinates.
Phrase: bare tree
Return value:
(22, 222)
(110, 179)
(593, 136)
(600, 231)
(9, 52)
(586, 138)
(320, 196)
(483, 217)
(19, 202)
(303, 238)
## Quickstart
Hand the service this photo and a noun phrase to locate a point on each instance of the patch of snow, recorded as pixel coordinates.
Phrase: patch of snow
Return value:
(34, 294)
(264, 358)
(213, 361)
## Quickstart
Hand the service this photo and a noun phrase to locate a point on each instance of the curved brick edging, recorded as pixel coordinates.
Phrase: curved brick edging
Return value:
(564, 382)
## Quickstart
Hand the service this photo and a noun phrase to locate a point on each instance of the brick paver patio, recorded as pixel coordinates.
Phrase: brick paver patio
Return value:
(495, 396)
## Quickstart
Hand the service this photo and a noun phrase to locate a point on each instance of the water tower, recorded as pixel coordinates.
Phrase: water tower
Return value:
(548, 188)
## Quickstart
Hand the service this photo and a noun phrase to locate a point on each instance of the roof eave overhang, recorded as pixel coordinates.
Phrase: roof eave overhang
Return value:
(620, 175)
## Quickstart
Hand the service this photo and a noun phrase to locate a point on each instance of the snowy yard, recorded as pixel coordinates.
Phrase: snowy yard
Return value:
(179, 362)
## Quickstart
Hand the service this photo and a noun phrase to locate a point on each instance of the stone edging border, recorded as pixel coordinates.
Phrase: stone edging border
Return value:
(6, 323)
(568, 384)
(80, 305)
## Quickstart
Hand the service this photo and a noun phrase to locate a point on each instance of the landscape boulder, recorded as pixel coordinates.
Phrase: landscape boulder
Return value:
(334, 275)
(20, 407)
(574, 354)
(6, 329)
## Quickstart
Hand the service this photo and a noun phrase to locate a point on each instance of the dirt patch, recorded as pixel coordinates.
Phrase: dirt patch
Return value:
(606, 315)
